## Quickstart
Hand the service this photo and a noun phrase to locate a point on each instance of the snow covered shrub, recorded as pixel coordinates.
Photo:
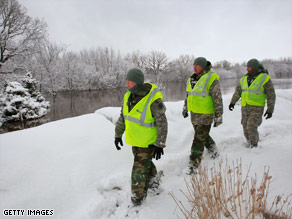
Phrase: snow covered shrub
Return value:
(224, 192)
(22, 102)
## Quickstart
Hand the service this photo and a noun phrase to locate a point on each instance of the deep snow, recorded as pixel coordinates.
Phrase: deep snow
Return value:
(71, 165)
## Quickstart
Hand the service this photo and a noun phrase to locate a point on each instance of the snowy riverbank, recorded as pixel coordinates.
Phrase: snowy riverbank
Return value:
(71, 165)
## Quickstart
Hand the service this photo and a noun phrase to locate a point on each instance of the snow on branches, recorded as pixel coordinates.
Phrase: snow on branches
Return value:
(22, 101)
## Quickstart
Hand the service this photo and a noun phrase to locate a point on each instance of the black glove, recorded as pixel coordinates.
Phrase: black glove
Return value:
(268, 115)
(117, 141)
(158, 152)
(217, 121)
(185, 113)
(231, 107)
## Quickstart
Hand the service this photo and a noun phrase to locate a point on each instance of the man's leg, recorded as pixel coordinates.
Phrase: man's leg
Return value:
(201, 134)
(211, 147)
(254, 121)
(244, 120)
(143, 170)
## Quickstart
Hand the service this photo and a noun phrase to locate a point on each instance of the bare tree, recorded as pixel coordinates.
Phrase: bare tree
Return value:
(49, 59)
(223, 64)
(155, 63)
(183, 67)
(136, 58)
(71, 69)
(18, 32)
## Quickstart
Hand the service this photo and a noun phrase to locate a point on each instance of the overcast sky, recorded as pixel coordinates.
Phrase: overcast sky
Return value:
(233, 30)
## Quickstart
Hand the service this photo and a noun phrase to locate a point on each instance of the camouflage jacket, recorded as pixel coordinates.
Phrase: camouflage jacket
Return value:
(158, 112)
(215, 92)
(268, 90)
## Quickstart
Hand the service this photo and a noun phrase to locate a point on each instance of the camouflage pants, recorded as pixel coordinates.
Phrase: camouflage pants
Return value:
(251, 119)
(201, 139)
(143, 170)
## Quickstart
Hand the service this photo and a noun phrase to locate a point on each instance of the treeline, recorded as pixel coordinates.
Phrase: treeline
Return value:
(24, 48)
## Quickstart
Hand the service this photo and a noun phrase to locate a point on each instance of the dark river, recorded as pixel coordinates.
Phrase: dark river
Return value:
(74, 103)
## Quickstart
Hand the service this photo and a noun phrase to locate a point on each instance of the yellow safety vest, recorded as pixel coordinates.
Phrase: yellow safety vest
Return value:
(254, 94)
(140, 126)
(199, 99)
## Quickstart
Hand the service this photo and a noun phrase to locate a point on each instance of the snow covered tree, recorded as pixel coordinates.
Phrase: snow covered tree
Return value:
(155, 63)
(180, 69)
(19, 33)
(136, 59)
(111, 67)
(103, 67)
(49, 59)
(22, 102)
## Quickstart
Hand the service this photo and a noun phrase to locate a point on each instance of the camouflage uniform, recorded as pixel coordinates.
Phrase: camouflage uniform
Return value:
(202, 122)
(143, 168)
(251, 116)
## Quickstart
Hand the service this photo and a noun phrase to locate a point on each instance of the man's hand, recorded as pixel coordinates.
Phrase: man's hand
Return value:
(185, 113)
(117, 141)
(217, 121)
(231, 107)
(268, 115)
(158, 152)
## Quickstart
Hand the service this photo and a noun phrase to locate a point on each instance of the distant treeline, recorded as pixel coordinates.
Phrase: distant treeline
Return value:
(104, 68)
(24, 48)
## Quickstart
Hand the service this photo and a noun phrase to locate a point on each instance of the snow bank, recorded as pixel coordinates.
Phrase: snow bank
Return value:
(72, 166)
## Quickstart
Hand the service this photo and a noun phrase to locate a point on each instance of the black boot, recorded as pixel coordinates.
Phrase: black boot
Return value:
(253, 145)
(194, 165)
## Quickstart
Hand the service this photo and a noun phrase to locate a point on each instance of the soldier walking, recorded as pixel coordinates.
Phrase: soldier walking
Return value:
(254, 89)
(144, 122)
(204, 102)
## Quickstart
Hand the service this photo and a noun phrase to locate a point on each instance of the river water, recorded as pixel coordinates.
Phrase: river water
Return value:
(74, 103)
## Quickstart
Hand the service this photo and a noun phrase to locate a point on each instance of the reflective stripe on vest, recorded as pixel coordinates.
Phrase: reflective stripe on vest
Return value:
(199, 99)
(204, 93)
(258, 91)
(254, 94)
(140, 126)
(143, 114)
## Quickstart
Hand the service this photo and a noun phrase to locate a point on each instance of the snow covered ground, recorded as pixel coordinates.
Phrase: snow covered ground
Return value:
(71, 165)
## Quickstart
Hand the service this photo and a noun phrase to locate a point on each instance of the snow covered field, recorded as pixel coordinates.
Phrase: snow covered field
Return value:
(71, 165)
